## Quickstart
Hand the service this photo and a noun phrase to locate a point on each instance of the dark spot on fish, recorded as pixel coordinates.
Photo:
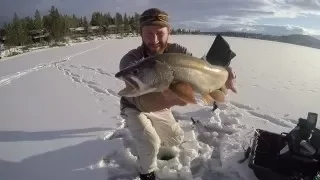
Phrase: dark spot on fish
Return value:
(135, 71)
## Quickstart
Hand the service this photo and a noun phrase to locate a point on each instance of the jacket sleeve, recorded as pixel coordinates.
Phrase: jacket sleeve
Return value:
(177, 48)
(132, 57)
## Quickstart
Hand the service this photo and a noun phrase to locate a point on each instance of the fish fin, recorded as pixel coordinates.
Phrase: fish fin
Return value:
(218, 95)
(224, 89)
(207, 99)
(184, 91)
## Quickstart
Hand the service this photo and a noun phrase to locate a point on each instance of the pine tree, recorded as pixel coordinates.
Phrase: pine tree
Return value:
(56, 24)
(107, 19)
(74, 21)
(97, 19)
(2, 30)
(132, 24)
(86, 25)
(136, 21)
(46, 22)
(10, 35)
(118, 22)
(29, 24)
(118, 19)
(26, 25)
(18, 30)
(38, 24)
(126, 24)
(80, 23)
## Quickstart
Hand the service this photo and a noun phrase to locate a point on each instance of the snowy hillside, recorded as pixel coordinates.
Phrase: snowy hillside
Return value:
(59, 111)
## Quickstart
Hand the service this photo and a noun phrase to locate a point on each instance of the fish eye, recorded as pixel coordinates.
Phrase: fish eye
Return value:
(135, 71)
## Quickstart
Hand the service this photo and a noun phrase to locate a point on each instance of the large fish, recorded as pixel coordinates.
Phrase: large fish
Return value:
(185, 75)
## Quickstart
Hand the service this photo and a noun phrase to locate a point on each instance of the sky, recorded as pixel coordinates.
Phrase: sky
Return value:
(276, 17)
(57, 104)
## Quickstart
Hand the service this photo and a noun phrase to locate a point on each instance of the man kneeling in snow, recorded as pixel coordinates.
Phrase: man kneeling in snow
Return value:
(148, 117)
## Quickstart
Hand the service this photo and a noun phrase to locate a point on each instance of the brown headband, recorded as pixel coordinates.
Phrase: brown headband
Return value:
(160, 19)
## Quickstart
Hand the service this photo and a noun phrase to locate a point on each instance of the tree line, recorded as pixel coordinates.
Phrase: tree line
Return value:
(185, 31)
(21, 30)
(55, 26)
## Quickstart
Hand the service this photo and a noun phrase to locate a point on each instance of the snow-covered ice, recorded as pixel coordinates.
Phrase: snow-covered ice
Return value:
(59, 111)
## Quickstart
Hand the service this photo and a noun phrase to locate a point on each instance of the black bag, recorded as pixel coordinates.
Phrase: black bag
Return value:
(295, 155)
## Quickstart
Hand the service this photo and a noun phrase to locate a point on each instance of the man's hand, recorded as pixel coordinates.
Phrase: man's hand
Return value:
(230, 84)
(172, 98)
(156, 101)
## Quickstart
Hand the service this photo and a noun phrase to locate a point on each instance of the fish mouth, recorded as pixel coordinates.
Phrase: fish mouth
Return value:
(132, 83)
(128, 79)
(128, 91)
(132, 88)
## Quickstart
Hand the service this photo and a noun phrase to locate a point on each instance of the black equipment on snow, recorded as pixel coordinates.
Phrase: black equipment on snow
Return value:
(287, 156)
(219, 54)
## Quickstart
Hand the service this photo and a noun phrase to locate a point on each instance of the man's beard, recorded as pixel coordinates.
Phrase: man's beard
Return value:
(160, 49)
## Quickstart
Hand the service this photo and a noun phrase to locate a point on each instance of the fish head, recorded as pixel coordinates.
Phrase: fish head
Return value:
(142, 78)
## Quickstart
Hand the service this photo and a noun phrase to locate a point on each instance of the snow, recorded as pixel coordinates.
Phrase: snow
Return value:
(59, 111)
(9, 52)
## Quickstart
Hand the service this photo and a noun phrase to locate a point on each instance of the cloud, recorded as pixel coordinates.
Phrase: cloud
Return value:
(244, 15)
(240, 15)
(178, 8)
(307, 5)
(270, 29)
(239, 8)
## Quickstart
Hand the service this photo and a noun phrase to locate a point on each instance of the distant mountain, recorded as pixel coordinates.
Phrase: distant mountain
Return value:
(298, 39)
(317, 36)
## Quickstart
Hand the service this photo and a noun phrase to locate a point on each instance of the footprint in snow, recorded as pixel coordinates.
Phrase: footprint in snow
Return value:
(102, 72)
(75, 75)
(67, 73)
(55, 64)
(89, 68)
(88, 82)
(241, 106)
(75, 79)
(113, 93)
(97, 89)
(73, 66)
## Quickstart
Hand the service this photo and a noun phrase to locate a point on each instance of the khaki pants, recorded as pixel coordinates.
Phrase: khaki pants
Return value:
(150, 131)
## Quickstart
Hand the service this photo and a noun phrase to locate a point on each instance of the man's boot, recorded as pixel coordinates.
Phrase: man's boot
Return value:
(149, 176)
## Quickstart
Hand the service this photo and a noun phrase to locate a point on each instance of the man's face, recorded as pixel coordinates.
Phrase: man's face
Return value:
(155, 38)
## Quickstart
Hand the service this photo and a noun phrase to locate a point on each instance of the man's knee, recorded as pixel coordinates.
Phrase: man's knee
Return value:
(142, 131)
(152, 143)
(173, 136)
(178, 135)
